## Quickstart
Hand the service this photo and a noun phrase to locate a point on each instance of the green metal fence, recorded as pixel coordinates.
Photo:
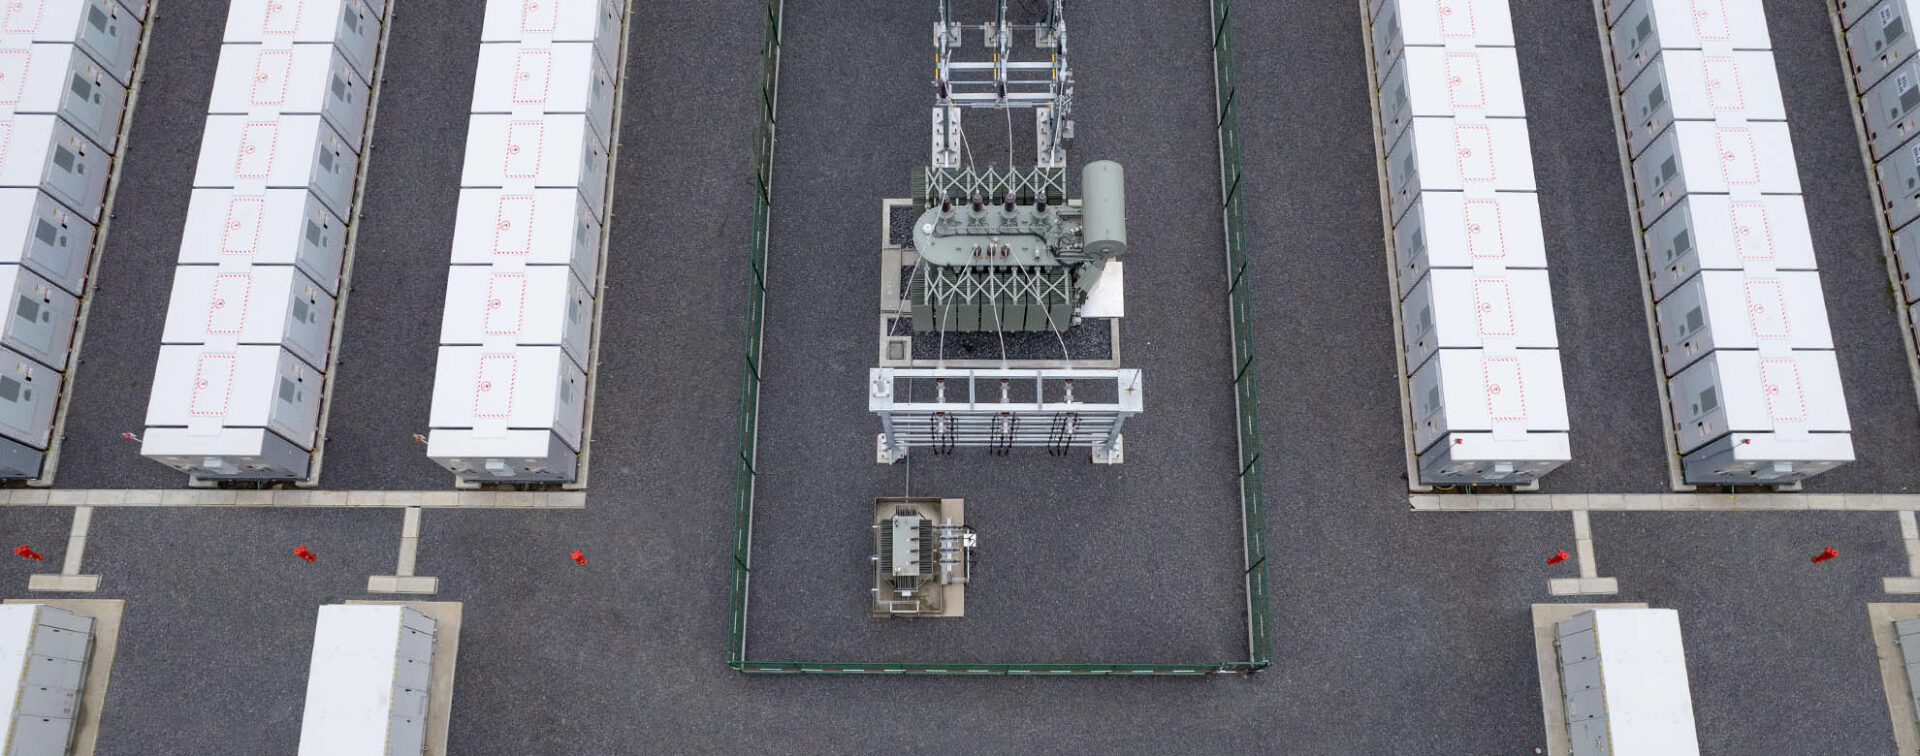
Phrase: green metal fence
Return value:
(1246, 402)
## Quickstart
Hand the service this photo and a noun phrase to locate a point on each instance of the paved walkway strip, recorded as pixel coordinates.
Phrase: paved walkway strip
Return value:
(403, 580)
(1673, 502)
(1589, 583)
(202, 497)
(70, 580)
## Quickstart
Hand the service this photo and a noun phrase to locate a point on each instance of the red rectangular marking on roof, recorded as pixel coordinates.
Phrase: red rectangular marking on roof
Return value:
(282, 17)
(1493, 307)
(1767, 309)
(1739, 156)
(539, 16)
(227, 302)
(1473, 152)
(212, 385)
(513, 226)
(493, 386)
(271, 70)
(506, 303)
(1752, 234)
(14, 67)
(253, 156)
(1456, 18)
(23, 16)
(1466, 86)
(1780, 383)
(524, 142)
(1725, 90)
(1505, 388)
(532, 76)
(1710, 19)
(240, 234)
(1486, 230)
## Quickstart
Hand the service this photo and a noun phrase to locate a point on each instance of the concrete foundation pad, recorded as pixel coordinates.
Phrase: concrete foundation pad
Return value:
(1583, 586)
(1893, 673)
(446, 649)
(1552, 706)
(106, 642)
(64, 583)
(403, 584)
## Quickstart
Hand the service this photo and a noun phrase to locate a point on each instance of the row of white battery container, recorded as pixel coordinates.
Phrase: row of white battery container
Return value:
(1482, 356)
(367, 687)
(65, 70)
(1881, 46)
(1623, 683)
(1752, 383)
(246, 346)
(509, 394)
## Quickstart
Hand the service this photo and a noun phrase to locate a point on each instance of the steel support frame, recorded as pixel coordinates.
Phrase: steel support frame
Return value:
(977, 415)
(1002, 82)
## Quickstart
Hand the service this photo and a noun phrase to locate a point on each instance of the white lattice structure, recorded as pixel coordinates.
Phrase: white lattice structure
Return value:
(944, 409)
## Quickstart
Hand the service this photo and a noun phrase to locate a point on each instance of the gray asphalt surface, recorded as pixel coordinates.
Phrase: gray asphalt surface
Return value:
(1394, 632)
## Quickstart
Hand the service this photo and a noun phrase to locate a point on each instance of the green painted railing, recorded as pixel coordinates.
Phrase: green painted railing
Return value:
(1240, 302)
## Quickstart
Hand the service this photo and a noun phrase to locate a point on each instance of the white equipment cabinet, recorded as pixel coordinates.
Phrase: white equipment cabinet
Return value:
(367, 686)
(1623, 679)
(59, 79)
(1717, 232)
(1884, 42)
(1452, 230)
(594, 22)
(277, 152)
(45, 237)
(1646, 28)
(528, 79)
(539, 227)
(28, 395)
(1438, 82)
(539, 305)
(1703, 157)
(38, 319)
(351, 26)
(204, 389)
(44, 656)
(43, 152)
(107, 32)
(1689, 85)
(1724, 309)
(270, 305)
(1484, 416)
(277, 227)
(1892, 110)
(549, 151)
(481, 395)
(1446, 154)
(1457, 308)
(1402, 24)
(1750, 417)
(1899, 176)
(297, 80)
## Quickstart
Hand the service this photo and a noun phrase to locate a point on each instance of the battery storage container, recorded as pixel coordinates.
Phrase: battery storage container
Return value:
(44, 657)
(1623, 682)
(1400, 24)
(271, 305)
(367, 685)
(1452, 230)
(518, 388)
(1445, 154)
(1648, 27)
(277, 227)
(1881, 42)
(60, 80)
(529, 78)
(550, 152)
(106, 31)
(284, 152)
(538, 305)
(230, 453)
(537, 227)
(39, 317)
(1486, 416)
(1702, 157)
(1717, 232)
(1438, 82)
(1783, 415)
(350, 26)
(1725, 309)
(1454, 308)
(1689, 85)
(205, 389)
(594, 22)
(296, 80)
(1852, 11)
(43, 152)
(49, 239)
(29, 393)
